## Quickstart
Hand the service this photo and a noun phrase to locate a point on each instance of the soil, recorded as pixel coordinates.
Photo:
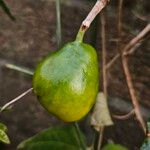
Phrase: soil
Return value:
(32, 37)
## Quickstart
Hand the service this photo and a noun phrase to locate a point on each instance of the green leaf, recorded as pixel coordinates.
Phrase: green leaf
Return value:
(6, 10)
(101, 116)
(146, 145)
(3, 136)
(114, 147)
(3, 127)
(57, 138)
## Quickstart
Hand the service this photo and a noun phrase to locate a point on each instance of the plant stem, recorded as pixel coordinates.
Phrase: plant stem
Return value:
(7, 10)
(58, 24)
(82, 143)
(80, 35)
(127, 73)
(132, 92)
(99, 5)
(126, 116)
(100, 138)
(16, 99)
(19, 68)
(130, 45)
(119, 25)
(103, 37)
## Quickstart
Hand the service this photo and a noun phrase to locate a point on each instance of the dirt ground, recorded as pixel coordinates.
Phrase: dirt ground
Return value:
(32, 36)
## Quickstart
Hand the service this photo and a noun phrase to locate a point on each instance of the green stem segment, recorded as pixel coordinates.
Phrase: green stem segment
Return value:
(80, 34)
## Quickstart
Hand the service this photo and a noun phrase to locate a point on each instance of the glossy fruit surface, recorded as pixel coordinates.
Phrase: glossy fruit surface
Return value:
(66, 81)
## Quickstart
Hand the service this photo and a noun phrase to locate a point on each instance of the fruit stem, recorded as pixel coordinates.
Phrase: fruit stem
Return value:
(80, 34)
(82, 143)
(99, 5)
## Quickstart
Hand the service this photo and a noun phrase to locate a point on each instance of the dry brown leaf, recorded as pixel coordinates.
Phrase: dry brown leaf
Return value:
(101, 116)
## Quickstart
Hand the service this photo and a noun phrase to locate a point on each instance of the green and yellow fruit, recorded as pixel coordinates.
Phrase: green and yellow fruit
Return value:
(66, 81)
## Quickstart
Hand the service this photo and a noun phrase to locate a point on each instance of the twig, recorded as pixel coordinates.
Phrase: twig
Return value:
(130, 45)
(135, 40)
(103, 36)
(124, 60)
(5, 63)
(15, 100)
(7, 10)
(119, 24)
(132, 50)
(99, 5)
(139, 16)
(58, 24)
(126, 116)
(119, 28)
(112, 61)
(132, 92)
(19, 68)
(80, 136)
(124, 106)
(100, 138)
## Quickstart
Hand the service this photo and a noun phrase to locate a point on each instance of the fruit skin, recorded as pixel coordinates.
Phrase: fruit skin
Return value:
(66, 81)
